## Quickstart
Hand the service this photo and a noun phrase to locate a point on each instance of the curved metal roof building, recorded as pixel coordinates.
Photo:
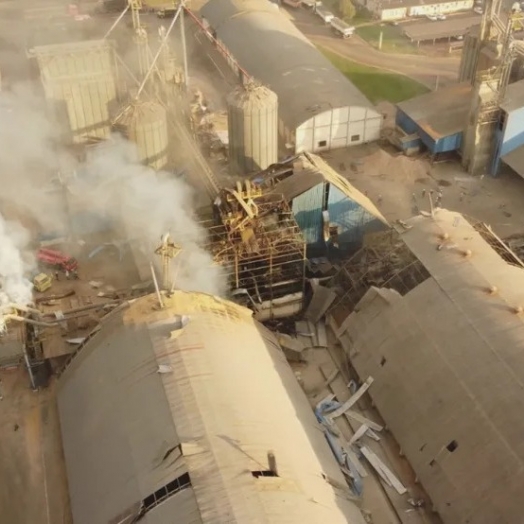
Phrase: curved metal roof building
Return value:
(168, 415)
(319, 108)
(448, 364)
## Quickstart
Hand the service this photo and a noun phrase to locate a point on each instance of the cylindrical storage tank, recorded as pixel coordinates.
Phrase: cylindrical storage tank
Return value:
(252, 128)
(79, 84)
(145, 124)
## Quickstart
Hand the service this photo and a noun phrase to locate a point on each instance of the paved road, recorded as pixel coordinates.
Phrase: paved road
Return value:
(423, 68)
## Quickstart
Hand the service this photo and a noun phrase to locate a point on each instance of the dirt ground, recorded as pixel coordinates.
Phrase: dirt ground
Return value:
(399, 186)
(33, 485)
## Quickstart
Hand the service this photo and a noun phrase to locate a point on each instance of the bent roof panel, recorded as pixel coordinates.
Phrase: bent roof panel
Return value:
(271, 49)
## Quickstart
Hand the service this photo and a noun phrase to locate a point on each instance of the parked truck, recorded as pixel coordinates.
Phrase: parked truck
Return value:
(326, 15)
(57, 260)
(312, 4)
(341, 28)
(292, 3)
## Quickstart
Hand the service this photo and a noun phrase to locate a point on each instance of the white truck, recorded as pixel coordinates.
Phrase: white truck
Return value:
(312, 4)
(340, 27)
(326, 15)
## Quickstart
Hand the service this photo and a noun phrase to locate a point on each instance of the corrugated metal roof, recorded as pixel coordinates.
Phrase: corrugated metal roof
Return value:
(231, 397)
(513, 97)
(313, 171)
(306, 82)
(440, 113)
(452, 354)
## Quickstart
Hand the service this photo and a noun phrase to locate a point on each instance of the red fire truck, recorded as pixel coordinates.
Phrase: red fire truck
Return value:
(57, 260)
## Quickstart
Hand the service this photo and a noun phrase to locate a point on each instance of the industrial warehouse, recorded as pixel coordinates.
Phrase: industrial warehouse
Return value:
(210, 309)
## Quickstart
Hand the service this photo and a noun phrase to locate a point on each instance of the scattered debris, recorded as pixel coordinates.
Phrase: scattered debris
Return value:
(361, 431)
(76, 341)
(353, 399)
(95, 284)
(363, 420)
(384, 472)
(322, 298)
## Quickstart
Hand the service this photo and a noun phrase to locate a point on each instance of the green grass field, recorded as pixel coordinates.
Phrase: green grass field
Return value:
(377, 84)
(393, 41)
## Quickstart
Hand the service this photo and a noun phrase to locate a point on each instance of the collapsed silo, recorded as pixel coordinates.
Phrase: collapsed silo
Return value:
(79, 84)
(252, 128)
(145, 124)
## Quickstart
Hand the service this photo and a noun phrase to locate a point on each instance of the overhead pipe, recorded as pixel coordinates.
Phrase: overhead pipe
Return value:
(25, 309)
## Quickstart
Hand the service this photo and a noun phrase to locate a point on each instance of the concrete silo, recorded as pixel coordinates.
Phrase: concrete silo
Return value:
(145, 124)
(79, 82)
(252, 128)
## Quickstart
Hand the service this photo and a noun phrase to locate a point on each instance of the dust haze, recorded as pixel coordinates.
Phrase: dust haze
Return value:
(143, 204)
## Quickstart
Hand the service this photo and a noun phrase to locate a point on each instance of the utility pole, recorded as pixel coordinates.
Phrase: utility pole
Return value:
(184, 45)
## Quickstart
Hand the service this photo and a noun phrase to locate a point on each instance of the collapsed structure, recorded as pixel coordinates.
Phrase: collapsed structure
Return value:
(443, 339)
(190, 413)
(257, 241)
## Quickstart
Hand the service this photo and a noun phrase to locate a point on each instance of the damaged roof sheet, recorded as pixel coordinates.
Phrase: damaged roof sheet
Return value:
(448, 363)
(225, 397)
(311, 170)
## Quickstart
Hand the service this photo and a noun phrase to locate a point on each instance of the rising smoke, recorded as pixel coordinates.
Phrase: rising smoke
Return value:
(143, 204)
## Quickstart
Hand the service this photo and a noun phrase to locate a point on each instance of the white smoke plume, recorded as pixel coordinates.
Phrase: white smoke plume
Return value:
(14, 285)
(146, 205)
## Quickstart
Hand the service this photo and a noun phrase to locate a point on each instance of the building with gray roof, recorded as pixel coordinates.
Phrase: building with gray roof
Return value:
(319, 108)
(447, 359)
(191, 414)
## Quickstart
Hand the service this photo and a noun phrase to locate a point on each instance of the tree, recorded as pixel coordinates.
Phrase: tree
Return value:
(347, 9)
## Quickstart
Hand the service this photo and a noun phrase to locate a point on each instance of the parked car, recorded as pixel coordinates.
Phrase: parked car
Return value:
(433, 18)
(478, 10)
(441, 17)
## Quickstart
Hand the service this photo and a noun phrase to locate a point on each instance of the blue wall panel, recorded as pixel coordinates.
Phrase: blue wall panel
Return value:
(307, 209)
(442, 145)
(511, 138)
(403, 121)
(353, 220)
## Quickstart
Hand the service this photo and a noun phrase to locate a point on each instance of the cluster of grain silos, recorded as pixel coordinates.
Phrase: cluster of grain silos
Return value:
(145, 124)
(79, 82)
(252, 128)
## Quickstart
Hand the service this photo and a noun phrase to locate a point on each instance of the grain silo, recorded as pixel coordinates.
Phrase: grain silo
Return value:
(79, 83)
(145, 124)
(252, 128)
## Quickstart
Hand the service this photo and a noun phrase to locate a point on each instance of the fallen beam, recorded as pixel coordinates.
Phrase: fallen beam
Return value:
(353, 399)
(385, 473)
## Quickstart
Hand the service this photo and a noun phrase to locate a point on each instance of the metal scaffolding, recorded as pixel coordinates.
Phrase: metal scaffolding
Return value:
(255, 238)
(384, 261)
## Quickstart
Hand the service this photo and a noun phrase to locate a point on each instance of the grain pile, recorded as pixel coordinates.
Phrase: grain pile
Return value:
(401, 168)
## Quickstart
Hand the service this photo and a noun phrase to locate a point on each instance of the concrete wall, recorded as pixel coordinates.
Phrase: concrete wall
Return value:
(400, 12)
(438, 8)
